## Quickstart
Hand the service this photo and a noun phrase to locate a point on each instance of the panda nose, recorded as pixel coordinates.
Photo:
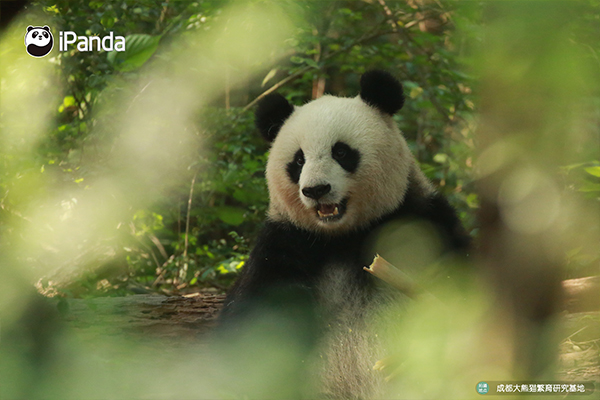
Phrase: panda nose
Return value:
(316, 192)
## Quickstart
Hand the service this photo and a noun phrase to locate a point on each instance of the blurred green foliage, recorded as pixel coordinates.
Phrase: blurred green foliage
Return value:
(70, 189)
(201, 230)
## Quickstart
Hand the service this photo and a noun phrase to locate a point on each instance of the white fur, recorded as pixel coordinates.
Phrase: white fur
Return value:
(378, 185)
(357, 335)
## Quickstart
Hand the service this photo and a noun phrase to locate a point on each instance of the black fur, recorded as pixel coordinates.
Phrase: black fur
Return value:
(294, 167)
(346, 156)
(381, 90)
(287, 259)
(271, 113)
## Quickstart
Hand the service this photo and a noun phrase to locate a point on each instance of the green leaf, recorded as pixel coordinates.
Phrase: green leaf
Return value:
(440, 158)
(241, 195)
(409, 84)
(472, 200)
(311, 63)
(594, 171)
(590, 187)
(415, 92)
(221, 268)
(230, 215)
(303, 60)
(206, 274)
(69, 101)
(138, 49)
(108, 21)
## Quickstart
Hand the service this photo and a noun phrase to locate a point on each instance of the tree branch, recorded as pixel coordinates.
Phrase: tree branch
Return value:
(187, 219)
(304, 70)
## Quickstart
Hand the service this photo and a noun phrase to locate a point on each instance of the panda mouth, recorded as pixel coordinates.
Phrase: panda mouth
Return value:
(331, 212)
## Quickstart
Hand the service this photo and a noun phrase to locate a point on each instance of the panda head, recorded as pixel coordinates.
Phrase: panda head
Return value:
(336, 164)
(38, 40)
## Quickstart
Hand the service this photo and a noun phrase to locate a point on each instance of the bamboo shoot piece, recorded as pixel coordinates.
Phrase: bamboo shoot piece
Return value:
(385, 271)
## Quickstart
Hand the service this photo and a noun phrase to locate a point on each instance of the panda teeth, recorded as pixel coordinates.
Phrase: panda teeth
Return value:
(335, 212)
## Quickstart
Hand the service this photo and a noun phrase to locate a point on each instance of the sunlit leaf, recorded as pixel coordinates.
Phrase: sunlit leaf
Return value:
(440, 158)
(594, 171)
(69, 101)
(269, 76)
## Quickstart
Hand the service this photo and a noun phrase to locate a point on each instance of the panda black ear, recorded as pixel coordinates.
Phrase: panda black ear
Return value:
(381, 90)
(46, 27)
(29, 28)
(271, 113)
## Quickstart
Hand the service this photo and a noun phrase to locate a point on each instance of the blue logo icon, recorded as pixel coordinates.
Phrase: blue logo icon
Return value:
(483, 388)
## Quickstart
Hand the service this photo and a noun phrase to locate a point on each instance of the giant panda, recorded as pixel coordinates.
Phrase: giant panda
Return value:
(339, 170)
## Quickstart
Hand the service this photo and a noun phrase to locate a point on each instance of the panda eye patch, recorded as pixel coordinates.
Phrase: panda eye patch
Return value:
(45, 35)
(346, 156)
(34, 35)
(294, 168)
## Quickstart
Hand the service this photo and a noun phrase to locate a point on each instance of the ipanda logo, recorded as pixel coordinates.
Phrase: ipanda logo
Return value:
(39, 41)
(86, 43)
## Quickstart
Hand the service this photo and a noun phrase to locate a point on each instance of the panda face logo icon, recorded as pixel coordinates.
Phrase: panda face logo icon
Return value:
(38, 40)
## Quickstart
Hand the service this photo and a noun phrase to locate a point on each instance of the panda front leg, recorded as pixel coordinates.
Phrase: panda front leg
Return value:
(269, 327)
(277, 281)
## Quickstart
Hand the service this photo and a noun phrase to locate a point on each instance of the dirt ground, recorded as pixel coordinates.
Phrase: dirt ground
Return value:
(180, 319)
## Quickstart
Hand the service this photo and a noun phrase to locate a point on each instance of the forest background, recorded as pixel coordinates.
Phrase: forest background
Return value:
(100, 198)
